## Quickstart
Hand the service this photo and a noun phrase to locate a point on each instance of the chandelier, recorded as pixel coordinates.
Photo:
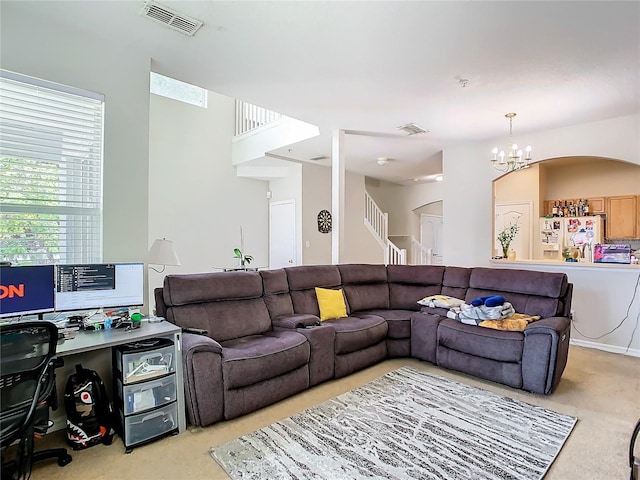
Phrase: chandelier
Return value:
(514, 159)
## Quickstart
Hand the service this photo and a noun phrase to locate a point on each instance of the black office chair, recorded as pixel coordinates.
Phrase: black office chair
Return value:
(634, 462)
(27, 389)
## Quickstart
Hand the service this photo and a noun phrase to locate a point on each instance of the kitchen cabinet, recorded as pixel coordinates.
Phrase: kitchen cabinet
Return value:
(597, 206)
(622, 217)
(638, 216)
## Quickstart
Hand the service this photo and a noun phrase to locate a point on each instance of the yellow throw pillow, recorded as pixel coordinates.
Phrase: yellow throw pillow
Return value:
(331, 303)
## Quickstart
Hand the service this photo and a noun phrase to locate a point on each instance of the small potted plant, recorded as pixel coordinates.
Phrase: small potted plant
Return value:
(506, 236)
(239, 252)
(244, 259)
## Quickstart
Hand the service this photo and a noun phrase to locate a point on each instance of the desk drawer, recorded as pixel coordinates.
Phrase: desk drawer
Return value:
(147, 426)
(138, 397)
(138, 366)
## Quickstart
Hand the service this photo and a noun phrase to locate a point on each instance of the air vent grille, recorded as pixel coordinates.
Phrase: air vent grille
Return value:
(412, 129)
(171, 18)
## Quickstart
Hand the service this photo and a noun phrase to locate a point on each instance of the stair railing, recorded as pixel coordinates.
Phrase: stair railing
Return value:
(395, 255)
(376, 220)
(420, 255)
(249, 117)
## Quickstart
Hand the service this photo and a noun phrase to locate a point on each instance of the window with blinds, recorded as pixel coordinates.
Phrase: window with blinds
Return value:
(50, 172)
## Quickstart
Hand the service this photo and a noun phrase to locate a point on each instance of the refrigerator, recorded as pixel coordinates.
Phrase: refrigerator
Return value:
(578, 234)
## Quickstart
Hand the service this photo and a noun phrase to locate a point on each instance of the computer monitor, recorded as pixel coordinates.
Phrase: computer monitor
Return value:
(99, 285)
(26, 290)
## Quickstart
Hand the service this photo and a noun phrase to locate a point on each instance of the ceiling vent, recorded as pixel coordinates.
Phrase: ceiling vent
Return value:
(171, 18)
(412, 129)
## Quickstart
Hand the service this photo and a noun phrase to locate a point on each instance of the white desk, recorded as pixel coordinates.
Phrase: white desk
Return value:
(90, 341)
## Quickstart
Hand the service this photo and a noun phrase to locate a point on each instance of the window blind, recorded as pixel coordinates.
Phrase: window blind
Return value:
(51, 149)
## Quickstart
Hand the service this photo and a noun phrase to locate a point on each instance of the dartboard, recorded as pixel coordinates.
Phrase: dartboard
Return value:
(324, 221)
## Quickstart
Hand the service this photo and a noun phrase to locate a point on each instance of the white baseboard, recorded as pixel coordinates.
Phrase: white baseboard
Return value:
(633, 352)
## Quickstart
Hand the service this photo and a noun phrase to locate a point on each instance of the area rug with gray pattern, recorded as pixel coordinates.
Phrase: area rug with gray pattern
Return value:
(406, 424)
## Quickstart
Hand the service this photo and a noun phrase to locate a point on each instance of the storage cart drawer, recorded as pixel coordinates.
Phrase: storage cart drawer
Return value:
(138, 397)
(147, 426)
(138, 366)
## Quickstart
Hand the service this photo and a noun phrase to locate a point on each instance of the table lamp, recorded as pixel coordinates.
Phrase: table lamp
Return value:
(162, 253)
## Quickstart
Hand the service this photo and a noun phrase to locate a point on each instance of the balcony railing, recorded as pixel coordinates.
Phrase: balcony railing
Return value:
(249, 117)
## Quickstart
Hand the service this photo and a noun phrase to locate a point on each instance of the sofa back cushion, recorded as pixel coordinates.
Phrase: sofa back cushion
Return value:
(410, 283)
(530, 292)
(276, 293)
(227, 304)
(302, 282)
(365, 286)
(456, 281)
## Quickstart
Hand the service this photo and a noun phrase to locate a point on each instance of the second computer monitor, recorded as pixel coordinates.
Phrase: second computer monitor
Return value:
(99, 285)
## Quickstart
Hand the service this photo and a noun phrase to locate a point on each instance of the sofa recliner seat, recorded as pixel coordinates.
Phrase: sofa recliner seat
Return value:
(253, 364)
(499, 356)
(265, 340)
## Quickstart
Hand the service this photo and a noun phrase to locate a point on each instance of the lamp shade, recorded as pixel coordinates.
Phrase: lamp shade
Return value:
(162, 252)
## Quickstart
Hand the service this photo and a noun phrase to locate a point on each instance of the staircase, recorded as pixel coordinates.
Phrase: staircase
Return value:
(377, 222)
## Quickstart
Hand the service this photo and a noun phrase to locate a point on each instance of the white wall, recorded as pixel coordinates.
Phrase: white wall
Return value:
(195, 197)
(36, 48)
(316, 196)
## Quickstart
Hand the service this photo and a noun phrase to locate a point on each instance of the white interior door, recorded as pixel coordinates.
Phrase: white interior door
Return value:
(282, 234)
(520, 213)
(431, 236)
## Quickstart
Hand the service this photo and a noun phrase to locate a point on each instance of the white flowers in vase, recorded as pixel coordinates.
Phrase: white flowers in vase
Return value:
(506, 236)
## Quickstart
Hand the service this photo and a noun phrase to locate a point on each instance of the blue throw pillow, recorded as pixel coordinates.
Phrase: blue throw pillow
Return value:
(494, 301)
(489, 301)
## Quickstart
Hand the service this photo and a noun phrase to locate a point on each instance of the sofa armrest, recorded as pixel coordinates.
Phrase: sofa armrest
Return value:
(544, 357)
(203, 387)
(548, 325)
(291, 322)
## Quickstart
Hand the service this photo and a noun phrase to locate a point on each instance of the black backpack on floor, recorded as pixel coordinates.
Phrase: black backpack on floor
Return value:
(89, 413)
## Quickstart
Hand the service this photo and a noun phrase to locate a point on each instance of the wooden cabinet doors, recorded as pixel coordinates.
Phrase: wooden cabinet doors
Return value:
(622, 217)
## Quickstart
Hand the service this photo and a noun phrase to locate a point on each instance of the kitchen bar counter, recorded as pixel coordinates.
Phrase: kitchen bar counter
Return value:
(566, 265)
(605, 305)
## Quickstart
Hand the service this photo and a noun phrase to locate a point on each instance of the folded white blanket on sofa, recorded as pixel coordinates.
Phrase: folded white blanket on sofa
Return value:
(474, 315)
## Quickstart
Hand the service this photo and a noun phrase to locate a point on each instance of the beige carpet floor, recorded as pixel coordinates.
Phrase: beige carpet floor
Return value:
(601, 389)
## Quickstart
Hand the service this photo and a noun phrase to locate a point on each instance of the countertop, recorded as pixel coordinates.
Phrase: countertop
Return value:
(558, 263)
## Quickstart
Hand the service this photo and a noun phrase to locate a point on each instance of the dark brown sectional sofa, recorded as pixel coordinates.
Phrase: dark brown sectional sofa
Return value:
(264, 341)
